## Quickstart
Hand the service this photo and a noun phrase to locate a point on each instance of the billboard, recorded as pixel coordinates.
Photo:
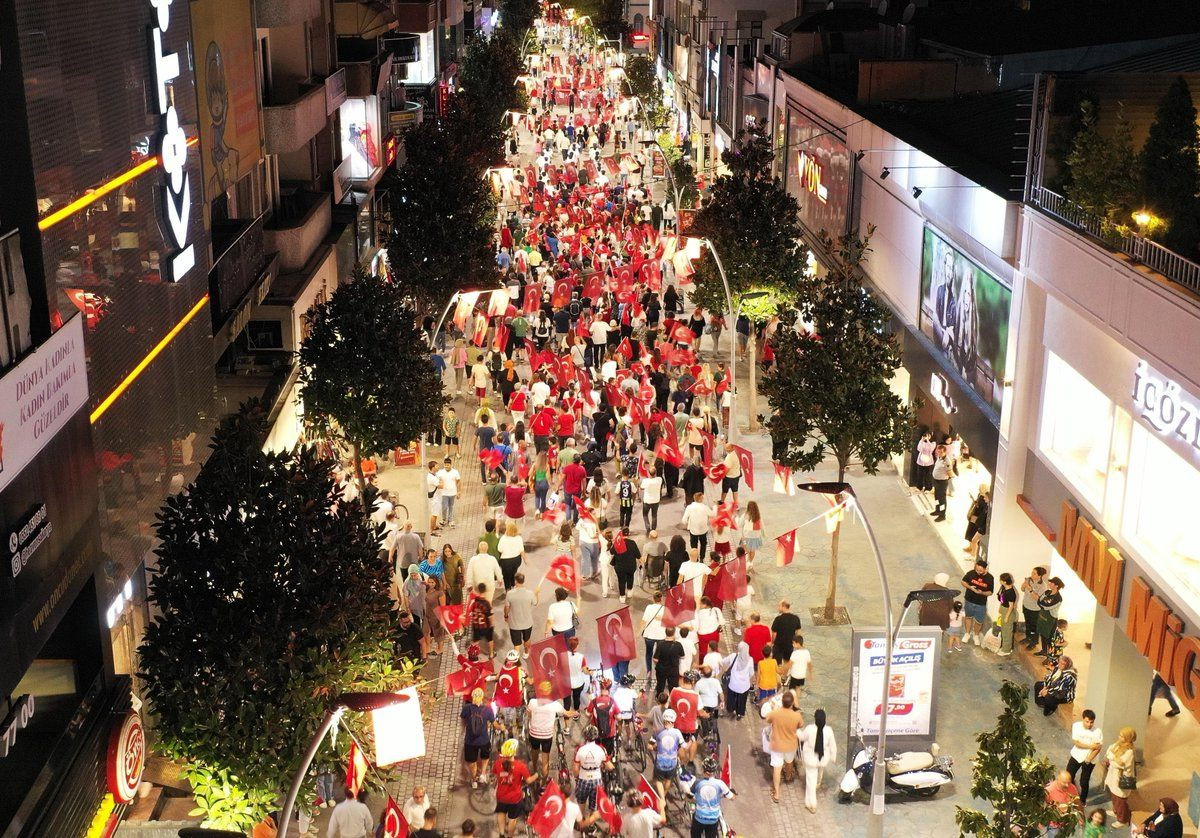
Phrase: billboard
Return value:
(964, 310)
(817, 173)
(911, 683)
(226, 92)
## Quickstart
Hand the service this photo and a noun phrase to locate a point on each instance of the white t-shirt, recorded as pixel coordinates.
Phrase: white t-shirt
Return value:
(433, 484)
(599, 331)
(713, 660)
(642, 825)
(689, 651)
(801, 660)
(510, 546)
(559, 614)
(1079, 733)
(652, 617)
(652, 489)
(542, 716)
(540, 392)
(708, 620)
(590, 757)
(710, 692)
(571, 816)
(625, 699)
(608, 370)
(578, 677)
(449, 478)
(479, 373)
(696, 518)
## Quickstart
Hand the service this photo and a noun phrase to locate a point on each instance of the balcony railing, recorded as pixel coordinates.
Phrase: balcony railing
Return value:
(290, 124)
(1178, 269)
(239, 262)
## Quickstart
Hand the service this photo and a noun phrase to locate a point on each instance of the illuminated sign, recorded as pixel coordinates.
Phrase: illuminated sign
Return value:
(939, 388)
(126, 756)
(1163, 406)
(25, 539)
(391, 146)
(810, 172)
(15, 721)
(172, 150)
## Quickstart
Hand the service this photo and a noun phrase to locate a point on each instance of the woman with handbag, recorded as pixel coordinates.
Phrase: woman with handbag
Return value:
(977, 522)
(1120, 778)
(1006, 597)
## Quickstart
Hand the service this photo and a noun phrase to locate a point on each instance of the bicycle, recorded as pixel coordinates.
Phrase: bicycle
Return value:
(631, 742)
(561, 745)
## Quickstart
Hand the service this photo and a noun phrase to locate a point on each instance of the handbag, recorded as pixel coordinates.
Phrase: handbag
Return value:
(1127, 781)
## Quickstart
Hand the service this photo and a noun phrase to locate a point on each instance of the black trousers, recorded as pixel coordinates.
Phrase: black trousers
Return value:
(940, 487)
(665, 680)
(650, 516)
(508, 569)
(1031, 627)
(626, 516)
(625, 580)
(701, 541)
(1084, 770)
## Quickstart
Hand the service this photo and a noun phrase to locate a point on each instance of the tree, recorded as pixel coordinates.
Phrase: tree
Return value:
(488, 78)
(643, 84)
(606, 16)
(682, 176)
(1169, 166)
(829, 391)
(270, 599)
(518, 16)
(365, 371)
(1009, 774)
(751, 221)
(1102, 168)
(443, 216)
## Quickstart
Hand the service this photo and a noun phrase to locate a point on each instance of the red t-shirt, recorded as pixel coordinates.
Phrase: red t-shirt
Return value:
(566, 424)
(514, 501)
(573, 477)
(543, 422)
(517, 402)
(757, 635)
(510, 785)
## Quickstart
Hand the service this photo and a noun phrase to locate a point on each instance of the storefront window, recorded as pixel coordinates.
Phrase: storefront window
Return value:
(1160, 501)
(360, 135)
(1077, 421)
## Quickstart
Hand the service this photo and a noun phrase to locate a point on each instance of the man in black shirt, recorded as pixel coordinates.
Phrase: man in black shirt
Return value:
(783, 632)
(667, 655)
(408, 638)
(979, 585)
(692, 481)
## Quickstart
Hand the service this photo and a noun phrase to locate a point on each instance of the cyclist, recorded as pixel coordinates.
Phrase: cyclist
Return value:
(685, 701)
(625, 697)
(709, 688)
(510, 690)
(665, 746)
(590, 759)
(542, 713)
(708, 792)
(642, 822)
(512, 775)
(477, 744)
(602, 711)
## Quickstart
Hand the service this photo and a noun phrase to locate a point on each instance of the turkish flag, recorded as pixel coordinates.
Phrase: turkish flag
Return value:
(716, 473)
(783, 480)
(607, 810)
(712, 588)
(356, 769)
(593, 287)
(649, 795)
(700, 388)
(533, 297)
(585, 513)
(679, 604)
(618, 544)
(500, 341)
(643, 467)
(733, 582)
(723, 517)
(637, 413)
(686, 705)
(682, 334)
(746, 459)
(453, 617)
(562, 573)
(666, 423)
(785, 548)
(668, 452)
(652, 275)
(727, 769)
(479, 335)
(548, 662)
(625, 349)
(561, 294)
(624, 277)
(498, 303)
(615, 633)
(463, 681)
(393, 822)
(706, 448)
(549, 812)
(491, 458)
(508, 687)
(462, 309)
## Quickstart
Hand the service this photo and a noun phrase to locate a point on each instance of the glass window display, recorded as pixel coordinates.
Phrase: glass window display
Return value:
(1076, 429)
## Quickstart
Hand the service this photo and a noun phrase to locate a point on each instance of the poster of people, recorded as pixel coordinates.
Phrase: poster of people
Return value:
(964, 310)
(910, 682)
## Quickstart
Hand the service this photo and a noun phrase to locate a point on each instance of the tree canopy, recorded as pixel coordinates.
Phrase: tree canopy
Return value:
(270, 599)
(1169, 166)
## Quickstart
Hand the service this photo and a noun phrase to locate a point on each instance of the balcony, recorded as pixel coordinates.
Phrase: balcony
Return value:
(298, 228)
(241, 276)
(292, 119)
(275, 13)
(366, 77)
(416, 17)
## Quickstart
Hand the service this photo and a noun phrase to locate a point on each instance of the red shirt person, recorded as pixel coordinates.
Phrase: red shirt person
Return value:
(757, 635)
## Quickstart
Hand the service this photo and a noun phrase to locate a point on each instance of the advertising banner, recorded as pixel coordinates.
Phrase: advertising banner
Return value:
(964, 310)
(226, 90)
(911, 687)
(817, 173)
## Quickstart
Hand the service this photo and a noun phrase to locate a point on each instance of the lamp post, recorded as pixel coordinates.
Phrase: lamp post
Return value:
(360, 702)
(733, 313)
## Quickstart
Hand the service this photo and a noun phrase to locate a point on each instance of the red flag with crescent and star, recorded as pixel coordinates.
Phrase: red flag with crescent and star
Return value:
(549, 811)
(562, 573)
(453, 617)
(649, 795)
(733, 582)
(508, 687)
(746, 459)
(679, 604)
(393, 822)
(783, 480)
(785, 548)
(716, 473)
(615, 633)
(548, 662)
(498, 302)
(685, 703)
(533, 297)
(607, 810)
(463, 681)
(479, 336)
(668, 452)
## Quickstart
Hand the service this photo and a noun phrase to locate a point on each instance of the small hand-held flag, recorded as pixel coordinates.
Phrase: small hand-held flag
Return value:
(679, 604)
(746, 459)
(393, 822)
(785, 548)
(549, 811)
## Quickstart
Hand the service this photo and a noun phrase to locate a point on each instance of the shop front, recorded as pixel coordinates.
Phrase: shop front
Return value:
(816, 171)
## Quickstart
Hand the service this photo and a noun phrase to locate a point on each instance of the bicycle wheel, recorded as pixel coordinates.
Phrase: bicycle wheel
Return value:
(402, 516)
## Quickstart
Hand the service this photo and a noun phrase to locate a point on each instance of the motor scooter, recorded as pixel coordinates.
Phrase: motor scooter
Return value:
(913, 773)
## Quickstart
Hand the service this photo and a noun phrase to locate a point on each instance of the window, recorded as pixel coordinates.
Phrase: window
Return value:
(1076, 433)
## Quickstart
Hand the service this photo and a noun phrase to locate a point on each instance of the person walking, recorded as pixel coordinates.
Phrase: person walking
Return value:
(943, 470)
(1161, 689)
(696, 519)
(481, 616)
(512, 776)
(1086, 740)
(784, 628)
(483, 569)
(626, 558)
(739, 666)
(512, 553)
(668, 653)
(518, 614)
(453, 575)
(709, 620)
(783, 724)
(478, 719)
(818, 748)
(652, 628)
(351, 818)
(448, 479)
(751, 526)
(1119, 779)
(652, 488)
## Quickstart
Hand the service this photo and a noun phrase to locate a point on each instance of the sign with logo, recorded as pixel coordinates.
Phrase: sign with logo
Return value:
(939, 389)
(911, 683)
(172, 149)
(391, 147)
(1162, 405)
(25, 538)
(817, 171)
(810, 175)
(39, 396)
(126, 756)
(14, 722)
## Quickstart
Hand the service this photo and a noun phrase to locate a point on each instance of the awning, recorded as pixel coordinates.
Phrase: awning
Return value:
(363, 20)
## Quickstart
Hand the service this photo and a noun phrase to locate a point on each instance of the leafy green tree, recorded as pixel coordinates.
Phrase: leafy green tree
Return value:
(443, 216)
(682, 176)
(752, 223)
(830, 390)
(365, 369)
(1102, 168)
(270, 599)
(1169, 166)
(488, 78)
(1010, 775)
(642, 83)
(518, 16)
(606, 16)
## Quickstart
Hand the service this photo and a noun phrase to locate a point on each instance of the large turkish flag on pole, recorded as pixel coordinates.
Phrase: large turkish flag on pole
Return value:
(746, 459)
(679, 604)
(615, 633)
(394, 824)
(548, 662)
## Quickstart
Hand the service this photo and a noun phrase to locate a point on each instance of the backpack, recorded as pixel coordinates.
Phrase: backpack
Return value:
(476, 727)
(602, 708)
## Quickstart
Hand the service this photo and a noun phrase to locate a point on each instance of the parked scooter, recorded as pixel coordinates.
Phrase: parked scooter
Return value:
(914, 773)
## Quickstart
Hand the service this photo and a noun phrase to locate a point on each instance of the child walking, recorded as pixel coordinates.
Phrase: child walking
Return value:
(954, 632)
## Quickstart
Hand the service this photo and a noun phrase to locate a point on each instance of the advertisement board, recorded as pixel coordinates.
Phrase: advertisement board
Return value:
(817, 173)
(226, 91)
(964, 311)
(912, 685)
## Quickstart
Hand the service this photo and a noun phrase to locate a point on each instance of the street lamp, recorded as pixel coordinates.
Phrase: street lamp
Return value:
(359, 702)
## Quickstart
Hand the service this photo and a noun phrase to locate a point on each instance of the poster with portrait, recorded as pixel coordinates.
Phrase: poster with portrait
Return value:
(964, 311)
